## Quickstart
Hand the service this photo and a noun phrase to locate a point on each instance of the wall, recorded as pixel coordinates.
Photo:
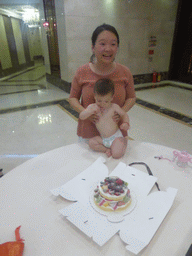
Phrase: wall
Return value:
(34, 36)
(135, 20)
(44, 41)
(62, 40)
(14, 48)
(18, 40)
(5, 57)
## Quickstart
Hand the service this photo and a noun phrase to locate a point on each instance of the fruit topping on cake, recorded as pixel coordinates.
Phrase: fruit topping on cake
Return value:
(112, 194)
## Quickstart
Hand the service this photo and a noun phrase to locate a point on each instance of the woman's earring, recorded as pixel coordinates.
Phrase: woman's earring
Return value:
(92, 59)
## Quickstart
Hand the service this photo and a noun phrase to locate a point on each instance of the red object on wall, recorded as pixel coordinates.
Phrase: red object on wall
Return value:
(151, 52)
(45, 24)
(154, 77)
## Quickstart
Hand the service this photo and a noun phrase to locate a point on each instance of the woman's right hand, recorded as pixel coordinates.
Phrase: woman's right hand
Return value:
(116, 117)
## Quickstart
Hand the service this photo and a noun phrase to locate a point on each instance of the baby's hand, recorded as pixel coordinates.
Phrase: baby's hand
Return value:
(125, 126)
(93, 109)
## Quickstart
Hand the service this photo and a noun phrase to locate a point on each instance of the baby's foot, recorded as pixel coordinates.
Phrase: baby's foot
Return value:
(108, 152)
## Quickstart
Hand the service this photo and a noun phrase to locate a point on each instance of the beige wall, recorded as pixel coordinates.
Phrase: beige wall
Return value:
(4, 49)
(44, 42)
(135, 21)
(34, 41)
(18, 40)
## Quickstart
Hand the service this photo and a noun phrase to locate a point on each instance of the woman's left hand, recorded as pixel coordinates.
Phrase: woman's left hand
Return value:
(116, 117)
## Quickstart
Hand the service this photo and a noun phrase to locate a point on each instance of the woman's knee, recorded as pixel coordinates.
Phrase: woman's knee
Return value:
(91, 143)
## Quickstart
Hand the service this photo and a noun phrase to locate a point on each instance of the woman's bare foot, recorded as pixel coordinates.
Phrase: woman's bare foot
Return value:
(108, 152)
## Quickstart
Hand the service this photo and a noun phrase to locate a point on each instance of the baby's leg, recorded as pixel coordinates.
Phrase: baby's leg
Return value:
(96, 144)
(118, 147)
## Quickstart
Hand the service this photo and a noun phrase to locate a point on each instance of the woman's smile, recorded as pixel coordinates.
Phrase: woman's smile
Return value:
(107, 55)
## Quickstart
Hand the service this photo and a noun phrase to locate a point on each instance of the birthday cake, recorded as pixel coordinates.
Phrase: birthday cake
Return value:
(112, 194)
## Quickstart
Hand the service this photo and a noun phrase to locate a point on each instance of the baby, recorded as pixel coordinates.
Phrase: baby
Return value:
(111, 140)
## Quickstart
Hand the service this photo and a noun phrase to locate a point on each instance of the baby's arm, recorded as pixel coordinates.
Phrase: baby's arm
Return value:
(90, 110)
(125, 118)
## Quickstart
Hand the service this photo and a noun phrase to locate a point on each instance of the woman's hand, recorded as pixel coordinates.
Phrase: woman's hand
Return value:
(116, 117)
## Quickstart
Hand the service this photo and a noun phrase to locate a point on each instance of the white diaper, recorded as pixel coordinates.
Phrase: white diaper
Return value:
(107, 142)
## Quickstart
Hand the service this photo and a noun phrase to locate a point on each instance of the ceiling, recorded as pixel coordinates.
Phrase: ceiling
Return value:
(21, 12)
(18, 9)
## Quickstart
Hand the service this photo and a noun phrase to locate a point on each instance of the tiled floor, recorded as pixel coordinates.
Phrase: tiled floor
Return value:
(35, 117)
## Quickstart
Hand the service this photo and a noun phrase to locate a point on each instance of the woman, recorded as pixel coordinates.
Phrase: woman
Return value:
(105, 43)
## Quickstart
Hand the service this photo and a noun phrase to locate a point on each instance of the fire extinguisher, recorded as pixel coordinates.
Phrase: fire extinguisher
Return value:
(154, 77)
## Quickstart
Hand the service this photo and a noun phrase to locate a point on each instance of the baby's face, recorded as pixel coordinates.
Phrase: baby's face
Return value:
(103, 101)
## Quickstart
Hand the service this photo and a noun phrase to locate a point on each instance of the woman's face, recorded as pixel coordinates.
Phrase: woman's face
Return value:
(105, 48)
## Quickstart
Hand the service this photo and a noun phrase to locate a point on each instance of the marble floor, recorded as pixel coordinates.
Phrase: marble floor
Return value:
(35, 116)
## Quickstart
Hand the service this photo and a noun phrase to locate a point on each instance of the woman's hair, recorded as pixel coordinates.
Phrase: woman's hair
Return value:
(104, 86)
(102, 28)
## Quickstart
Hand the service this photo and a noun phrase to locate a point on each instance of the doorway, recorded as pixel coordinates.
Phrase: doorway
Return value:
(181, 57)
(50, 17)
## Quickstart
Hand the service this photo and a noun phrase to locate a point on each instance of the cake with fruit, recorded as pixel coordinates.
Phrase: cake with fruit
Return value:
(112, 194)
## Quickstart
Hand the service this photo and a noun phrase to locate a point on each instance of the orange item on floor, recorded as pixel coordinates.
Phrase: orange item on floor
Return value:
(13, 248)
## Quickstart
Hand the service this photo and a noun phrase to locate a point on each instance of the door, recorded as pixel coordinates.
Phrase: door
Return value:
(49, 9)
(181, 57)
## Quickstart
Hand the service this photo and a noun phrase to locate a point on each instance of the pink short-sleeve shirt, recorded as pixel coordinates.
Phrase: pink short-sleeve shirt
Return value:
(82, 88)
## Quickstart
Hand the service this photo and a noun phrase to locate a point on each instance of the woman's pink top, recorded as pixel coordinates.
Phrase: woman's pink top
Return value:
(82, 88)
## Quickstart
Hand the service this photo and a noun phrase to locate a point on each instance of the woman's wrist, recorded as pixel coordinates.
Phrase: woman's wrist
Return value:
(75, 104)
(129, 103)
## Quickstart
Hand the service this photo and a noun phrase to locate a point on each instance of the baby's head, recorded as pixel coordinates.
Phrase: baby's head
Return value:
(104, 91)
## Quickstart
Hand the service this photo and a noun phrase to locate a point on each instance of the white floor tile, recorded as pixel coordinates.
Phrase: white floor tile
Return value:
(149, 126)
(36, 131)
(51, 93)
(33, 75)
(176, 99)
(25, 134)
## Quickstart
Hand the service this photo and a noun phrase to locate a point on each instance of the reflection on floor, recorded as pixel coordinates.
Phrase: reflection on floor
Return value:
(35, 116)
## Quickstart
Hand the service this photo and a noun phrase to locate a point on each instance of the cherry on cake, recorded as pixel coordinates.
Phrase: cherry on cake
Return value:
(112, 194)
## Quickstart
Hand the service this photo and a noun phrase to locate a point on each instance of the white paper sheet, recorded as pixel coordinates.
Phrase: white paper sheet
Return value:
(136, 228)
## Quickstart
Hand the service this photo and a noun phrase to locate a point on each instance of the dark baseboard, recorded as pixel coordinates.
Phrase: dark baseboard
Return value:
(57, 81)
(148, 78)
(38, 57)
(138, 79)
